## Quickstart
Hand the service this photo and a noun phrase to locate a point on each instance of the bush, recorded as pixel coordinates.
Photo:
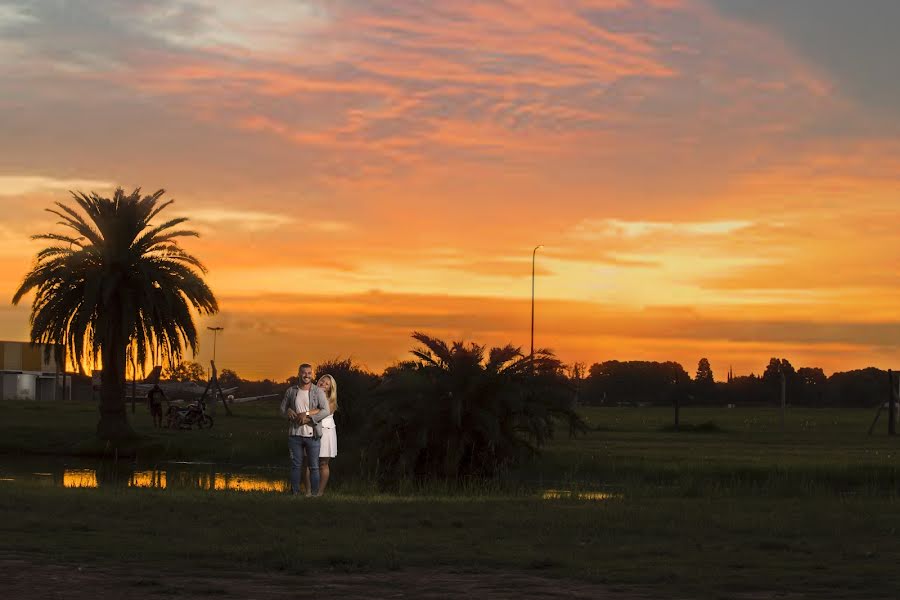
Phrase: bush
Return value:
(456, 414)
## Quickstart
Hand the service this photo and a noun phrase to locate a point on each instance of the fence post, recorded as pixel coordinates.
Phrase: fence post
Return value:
(783, 398)
(892, 405)
(677, 409)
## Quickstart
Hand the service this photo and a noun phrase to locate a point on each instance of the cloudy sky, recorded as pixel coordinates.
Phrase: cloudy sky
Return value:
(715, 178)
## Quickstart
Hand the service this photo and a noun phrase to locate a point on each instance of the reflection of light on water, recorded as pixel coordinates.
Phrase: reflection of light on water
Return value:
(249, 483)
(80, 478)
(569, 494)
(148, 479)
(159, 479)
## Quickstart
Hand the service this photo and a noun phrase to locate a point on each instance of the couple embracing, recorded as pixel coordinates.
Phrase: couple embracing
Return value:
(312, 438)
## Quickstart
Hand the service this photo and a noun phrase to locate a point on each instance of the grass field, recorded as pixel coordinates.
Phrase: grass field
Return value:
(743, 449)
(737, 505)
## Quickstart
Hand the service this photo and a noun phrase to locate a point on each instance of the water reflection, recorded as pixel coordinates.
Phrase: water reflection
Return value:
(210, 477)
(250, 483)
(79, 478)
(162, 479)
(85, 474)
(579, 495)
(148, 479)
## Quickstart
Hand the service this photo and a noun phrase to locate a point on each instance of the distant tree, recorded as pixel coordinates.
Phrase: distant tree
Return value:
(775, 368)
(745, 389)
(704, 382)
(633, 382)
(772, 380)
(860, 388)
(704, 372)
(457, 411)
(811, 383)
(185, 371)
(812, 376)
(228, 378)
(112, 281)
(262, 387)
(576, 377)
(577, 371)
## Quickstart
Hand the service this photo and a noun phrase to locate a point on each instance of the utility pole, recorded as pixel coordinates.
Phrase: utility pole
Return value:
(533, 256)
(892, 405)
(783, 397)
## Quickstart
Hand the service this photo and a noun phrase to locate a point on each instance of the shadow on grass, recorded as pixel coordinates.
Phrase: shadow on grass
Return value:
(705, 427)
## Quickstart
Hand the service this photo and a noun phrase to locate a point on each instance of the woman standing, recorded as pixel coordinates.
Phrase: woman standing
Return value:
(328, 448)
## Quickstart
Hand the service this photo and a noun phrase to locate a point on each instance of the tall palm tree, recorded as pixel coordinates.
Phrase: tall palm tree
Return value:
(114, 281)
(456, 412)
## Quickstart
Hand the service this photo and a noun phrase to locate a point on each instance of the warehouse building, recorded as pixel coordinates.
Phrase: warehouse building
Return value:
(27, 374)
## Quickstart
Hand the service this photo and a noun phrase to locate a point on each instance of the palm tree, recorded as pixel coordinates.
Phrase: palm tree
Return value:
(456, 413)
(114, 281)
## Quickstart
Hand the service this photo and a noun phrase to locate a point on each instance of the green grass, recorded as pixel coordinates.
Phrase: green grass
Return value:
(819, 450)
(254, 436)
(830, 548)
(731, 503)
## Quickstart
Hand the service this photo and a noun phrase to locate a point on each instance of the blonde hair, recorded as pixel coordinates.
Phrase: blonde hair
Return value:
(332, 395)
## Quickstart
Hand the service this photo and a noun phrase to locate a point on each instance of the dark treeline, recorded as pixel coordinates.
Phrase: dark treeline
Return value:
(630, 383)
(615, 383)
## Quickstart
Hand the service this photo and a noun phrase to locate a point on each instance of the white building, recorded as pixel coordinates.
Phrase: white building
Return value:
(27, 374)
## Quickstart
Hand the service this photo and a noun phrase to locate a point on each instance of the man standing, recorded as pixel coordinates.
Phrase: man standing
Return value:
(305, 430)
(155, 397)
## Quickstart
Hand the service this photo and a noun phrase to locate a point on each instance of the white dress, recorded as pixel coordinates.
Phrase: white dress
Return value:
(328, 449)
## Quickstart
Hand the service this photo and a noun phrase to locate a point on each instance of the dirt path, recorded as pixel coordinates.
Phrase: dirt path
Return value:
(29, 579)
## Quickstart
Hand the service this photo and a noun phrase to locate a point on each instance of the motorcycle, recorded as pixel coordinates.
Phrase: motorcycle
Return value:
(190, 416)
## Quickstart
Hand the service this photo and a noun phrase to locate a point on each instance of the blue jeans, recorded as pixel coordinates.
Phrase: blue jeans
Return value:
(301, 447)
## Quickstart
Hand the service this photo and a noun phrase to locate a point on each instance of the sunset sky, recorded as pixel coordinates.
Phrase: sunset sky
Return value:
(709, 178)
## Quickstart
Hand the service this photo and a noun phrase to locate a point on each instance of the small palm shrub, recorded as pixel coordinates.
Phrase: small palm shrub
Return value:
(456, 412)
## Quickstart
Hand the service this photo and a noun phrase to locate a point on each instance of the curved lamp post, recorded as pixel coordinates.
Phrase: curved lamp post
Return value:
(215, 331)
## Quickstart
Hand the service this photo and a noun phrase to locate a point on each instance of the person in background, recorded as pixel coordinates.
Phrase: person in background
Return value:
(154, 398)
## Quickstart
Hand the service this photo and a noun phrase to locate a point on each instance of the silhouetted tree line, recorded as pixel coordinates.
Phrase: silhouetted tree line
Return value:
(610, 383)
(615, 383)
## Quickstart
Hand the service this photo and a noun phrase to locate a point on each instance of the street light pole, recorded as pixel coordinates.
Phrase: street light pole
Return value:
(533, 255)
(215, 331)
